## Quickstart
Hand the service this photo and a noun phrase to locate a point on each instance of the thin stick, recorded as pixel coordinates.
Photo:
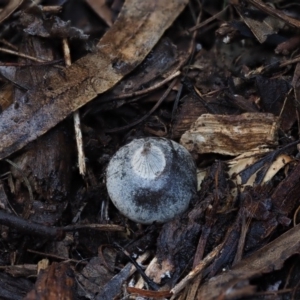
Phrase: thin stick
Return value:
(100, 227)
(150, 89)
(30, 228)
(158, 103)
(8, 44)
(207, 21)
(183, 283)
(76, 118)
(21, 55)
(65, 259)
(52, 9)
(29, 64)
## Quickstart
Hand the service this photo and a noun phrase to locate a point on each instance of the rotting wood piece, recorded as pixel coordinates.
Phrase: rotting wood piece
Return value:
(231, 135)
(269, 258)
(264, 210)
(13, 287)
(47, 162)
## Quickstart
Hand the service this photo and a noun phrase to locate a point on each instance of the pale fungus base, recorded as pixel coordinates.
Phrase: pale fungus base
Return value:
(151, 179)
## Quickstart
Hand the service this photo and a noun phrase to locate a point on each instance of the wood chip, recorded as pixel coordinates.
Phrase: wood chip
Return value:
(231, 135)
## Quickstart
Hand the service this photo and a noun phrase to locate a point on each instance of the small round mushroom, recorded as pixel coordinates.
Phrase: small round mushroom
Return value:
(151, 179)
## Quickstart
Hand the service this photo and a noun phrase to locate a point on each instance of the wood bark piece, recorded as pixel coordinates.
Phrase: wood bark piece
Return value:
(231, 135)
(113, 287)
(261, 29)
(13, 288)
(269, 258)
(137, 29)
(45, 167)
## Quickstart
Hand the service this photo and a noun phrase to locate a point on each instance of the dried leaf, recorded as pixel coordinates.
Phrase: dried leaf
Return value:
(138, 28)
(9, 9)
(56, 282)
(102, 10)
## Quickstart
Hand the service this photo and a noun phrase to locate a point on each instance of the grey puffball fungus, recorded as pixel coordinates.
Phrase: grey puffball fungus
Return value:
(151, 179)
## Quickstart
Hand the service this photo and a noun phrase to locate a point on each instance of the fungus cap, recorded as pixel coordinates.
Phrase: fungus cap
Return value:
(151, 179)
